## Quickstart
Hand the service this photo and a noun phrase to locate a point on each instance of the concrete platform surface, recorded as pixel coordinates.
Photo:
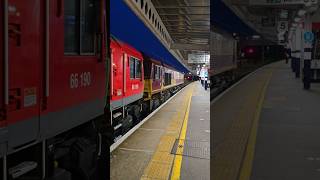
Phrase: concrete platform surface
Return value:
(172, 144)
(267, 128)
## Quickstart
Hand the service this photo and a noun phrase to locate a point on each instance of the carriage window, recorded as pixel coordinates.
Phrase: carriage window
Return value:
(88, 26)
(155, 72)
(159, 70)
(71, 24)
(135, 68)
(138, 68)
(80, 26)
(132, 68)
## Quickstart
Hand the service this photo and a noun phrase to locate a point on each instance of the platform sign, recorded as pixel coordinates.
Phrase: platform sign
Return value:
(281, 2)
(284, 14)
(308, 37)
(282, 26)
(199, 58)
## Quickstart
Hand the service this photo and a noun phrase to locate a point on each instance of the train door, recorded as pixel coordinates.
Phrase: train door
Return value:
(157, 83)
(2, 115)
(125, 75)
(117, 75)
(25, 60)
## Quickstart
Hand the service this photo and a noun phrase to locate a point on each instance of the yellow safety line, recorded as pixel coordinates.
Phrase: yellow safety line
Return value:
(176, 171)
(246, 168)
(161, 163)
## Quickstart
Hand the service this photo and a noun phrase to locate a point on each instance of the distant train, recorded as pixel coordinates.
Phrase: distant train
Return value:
(226, 56)
(223, 54)
(139, 84)
(255, 53)
(230, 62)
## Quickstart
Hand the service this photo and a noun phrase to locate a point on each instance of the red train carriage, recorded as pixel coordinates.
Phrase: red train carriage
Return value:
(52, 81)
(160, 82)
(153, 77)
(126, 86)
(139, 84)
(172, 77)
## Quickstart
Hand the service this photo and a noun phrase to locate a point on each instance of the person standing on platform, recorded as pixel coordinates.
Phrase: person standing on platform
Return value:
(287, 55)
(206, 83)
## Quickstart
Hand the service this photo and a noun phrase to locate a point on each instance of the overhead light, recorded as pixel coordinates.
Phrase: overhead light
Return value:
(301, 12)
(312, 9)
(256, 37)
(297, 19)
(308, 4)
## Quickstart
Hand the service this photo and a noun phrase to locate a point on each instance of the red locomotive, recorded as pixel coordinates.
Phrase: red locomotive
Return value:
(61, 102)
(52, 87)
(139, 84)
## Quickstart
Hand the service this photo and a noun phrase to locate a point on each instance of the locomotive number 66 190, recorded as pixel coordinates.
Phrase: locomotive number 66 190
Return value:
(78, 80)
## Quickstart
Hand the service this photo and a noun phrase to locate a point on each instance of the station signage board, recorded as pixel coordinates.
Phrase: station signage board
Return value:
(284, 14)
(282, 26)
(199, 58)
(308, 37)
(281, 2)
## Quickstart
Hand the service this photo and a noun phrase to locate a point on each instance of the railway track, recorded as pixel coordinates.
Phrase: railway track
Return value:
(238, 74)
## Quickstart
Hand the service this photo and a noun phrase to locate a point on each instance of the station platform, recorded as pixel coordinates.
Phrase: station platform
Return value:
(266, 127)
(173, 144)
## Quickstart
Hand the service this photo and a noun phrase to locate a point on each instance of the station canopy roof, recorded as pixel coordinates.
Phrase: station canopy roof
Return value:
(225, 19)
(127, 27)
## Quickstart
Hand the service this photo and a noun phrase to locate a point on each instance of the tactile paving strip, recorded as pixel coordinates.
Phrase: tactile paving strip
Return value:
(160, 165)
(191, 148)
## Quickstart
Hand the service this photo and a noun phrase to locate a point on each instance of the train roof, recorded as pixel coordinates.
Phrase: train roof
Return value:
(147, 57)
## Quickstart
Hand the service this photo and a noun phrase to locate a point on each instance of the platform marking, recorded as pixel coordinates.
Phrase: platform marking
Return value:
(245, 172)
(136, 150)
(230, 151)
(160, 164)
(176, 171)
(151, 129)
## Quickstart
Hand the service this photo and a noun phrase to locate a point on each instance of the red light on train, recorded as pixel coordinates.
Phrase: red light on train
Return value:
(250, 50)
